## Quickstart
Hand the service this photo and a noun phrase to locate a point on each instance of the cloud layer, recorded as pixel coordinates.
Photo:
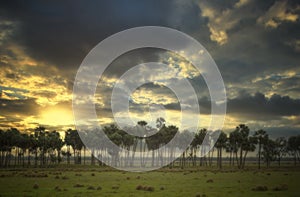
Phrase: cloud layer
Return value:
(256, 45)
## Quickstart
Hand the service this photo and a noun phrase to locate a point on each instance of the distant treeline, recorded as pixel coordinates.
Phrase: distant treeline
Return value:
(44, 148)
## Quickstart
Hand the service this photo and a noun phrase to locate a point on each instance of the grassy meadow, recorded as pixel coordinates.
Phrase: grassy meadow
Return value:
(103, 181)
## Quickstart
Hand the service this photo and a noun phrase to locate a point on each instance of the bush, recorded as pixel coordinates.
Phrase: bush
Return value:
(139, 187)
(35, 186)
(64, 178)
(282, 187)
(57, 188)
(145, 188)
(91, 188)
(150, 189)
(99, 188)
(260, 188)
(115, 187)
(78, 185)
(209, 181)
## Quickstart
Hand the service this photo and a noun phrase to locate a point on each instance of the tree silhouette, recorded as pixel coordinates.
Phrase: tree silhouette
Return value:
(262, 137)
(220, 144)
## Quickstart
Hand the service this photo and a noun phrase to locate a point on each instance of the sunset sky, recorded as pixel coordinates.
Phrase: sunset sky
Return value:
(256, 45)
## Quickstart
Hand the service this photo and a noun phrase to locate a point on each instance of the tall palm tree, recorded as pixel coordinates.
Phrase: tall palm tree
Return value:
(262, 137)
(72, 139)
(269, 151)
(243, 143)
(141, 125)
(293, 147)
(220, 144)
(203, 145)
(281, 148)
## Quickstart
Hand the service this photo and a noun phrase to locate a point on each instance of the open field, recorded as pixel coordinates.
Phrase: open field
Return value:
(96, 181)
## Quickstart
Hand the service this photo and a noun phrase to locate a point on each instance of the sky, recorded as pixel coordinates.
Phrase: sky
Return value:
(255, 44)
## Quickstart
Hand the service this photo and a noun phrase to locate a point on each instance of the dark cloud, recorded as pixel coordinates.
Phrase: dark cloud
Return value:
(253, 49)
(22, 107)
(259, 107)
(45, 93)
(277, 132)
(62, 33)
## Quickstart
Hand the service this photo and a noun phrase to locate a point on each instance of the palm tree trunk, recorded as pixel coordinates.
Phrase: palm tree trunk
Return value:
(259, 154)
(84, 155)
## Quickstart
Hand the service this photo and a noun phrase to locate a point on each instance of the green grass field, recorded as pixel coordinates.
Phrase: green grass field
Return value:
(165, 182)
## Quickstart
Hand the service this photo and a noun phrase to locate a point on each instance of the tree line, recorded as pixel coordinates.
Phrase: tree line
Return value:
(43, 148)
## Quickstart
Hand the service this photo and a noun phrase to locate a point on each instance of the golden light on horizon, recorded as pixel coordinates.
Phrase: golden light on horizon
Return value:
(56, 117)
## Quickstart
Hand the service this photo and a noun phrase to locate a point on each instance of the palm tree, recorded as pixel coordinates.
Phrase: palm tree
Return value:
(281, 148)
(269, 151)
(72, 139)
(262, 137)
(40, 135)
(141, 125)
(183, 139)
(24, 145)
(56, 144)
(199, 137)
(243, 143)
(8, 141)
(220, 144)
(293, 147)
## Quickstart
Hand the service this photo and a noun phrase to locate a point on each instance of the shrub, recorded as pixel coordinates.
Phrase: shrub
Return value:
(57, 188)
(260, 188)
(91, 188)
(64, 178)
(115, 187)
(282, 187)
(139, 187)
(78, 185)
(150, 189)
(209, 181)
(145, 188)
(35, 186)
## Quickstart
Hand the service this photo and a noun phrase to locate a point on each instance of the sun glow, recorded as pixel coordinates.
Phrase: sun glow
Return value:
(57, 117)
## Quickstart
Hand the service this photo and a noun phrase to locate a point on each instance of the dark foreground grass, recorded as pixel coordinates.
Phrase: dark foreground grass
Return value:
(166, 182)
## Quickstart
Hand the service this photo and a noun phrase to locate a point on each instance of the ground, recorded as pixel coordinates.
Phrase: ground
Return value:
(96, 181)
